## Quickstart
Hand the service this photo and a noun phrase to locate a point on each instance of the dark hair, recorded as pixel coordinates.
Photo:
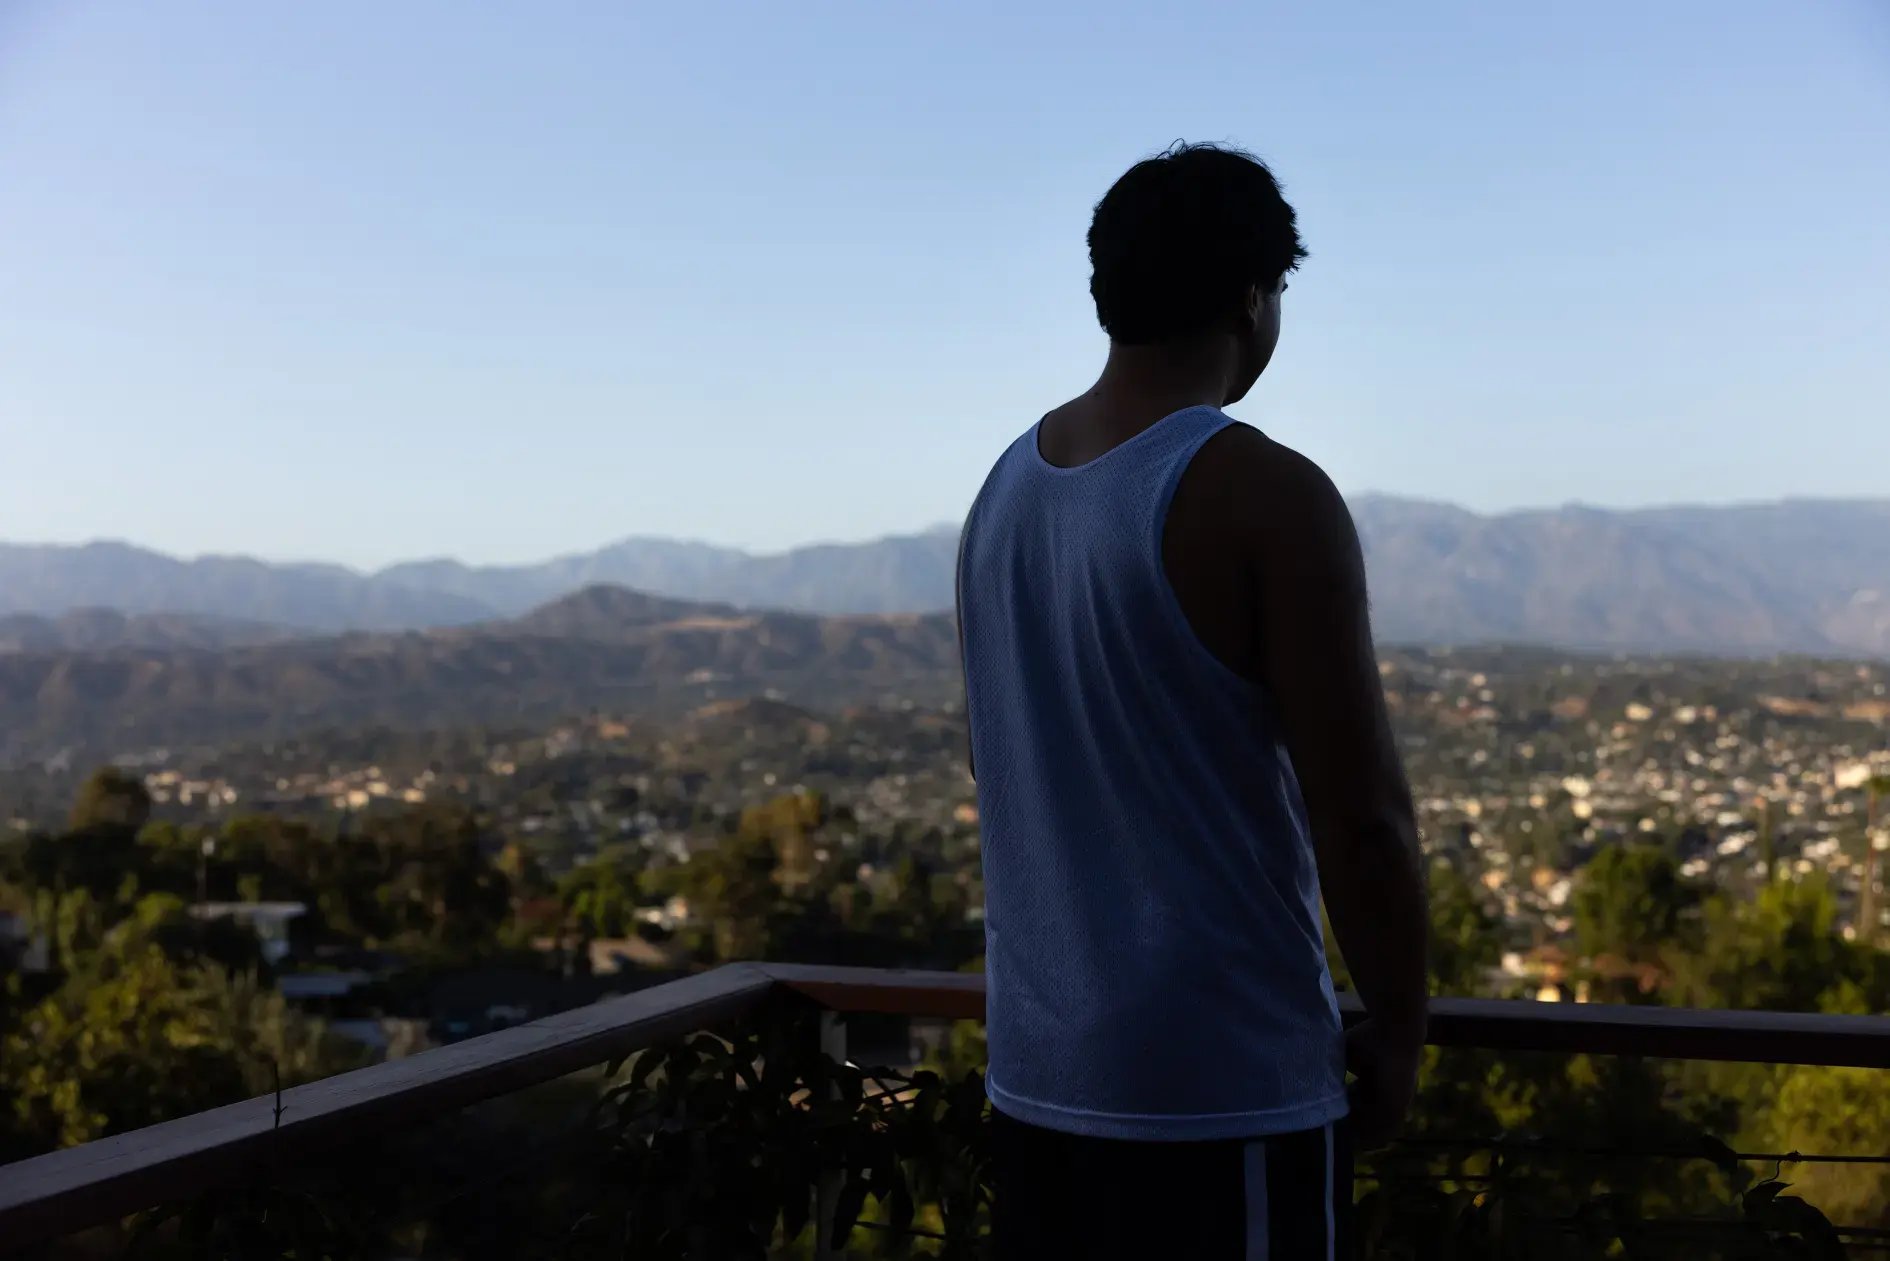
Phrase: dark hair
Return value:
(1180, 238)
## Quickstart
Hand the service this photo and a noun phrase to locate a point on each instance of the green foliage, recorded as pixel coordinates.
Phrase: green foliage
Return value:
(428, 886)
(111, 798)
(1831, 1110)
(731, 888)
(764, 891)
(149, 1012)
(416, 880)
(1628, 906)
(722, 1146)
(137, 1037)
(600, 898)
(1778, 950)
(97, 860)
(1463, 933)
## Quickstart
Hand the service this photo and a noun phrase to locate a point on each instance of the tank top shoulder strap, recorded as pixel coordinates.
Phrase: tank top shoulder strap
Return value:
(1187, 432)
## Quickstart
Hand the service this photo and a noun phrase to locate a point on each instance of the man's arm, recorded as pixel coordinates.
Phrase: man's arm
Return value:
(1319, 665)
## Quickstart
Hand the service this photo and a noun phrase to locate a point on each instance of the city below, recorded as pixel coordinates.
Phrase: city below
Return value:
(1525, 763)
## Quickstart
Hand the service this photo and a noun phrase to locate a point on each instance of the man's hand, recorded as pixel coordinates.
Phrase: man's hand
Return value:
(1385, 1063)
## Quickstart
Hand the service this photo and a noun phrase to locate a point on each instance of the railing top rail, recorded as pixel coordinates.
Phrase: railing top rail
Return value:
(891, 991)
(1684, 1033)
(104, 1180)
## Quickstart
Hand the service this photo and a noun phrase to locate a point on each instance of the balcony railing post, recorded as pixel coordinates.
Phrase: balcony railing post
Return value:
(833, 1044)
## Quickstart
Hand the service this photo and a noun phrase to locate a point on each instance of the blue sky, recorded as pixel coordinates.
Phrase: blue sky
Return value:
(368, 281)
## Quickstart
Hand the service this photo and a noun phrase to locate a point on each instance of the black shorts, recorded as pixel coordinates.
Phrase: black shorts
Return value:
(1284, 1198)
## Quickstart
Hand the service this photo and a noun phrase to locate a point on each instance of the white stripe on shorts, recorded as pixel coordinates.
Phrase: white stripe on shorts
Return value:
(1331, 1159)
(1256, 1178)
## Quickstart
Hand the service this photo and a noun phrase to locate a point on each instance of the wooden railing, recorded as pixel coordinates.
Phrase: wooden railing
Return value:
(104, 1181)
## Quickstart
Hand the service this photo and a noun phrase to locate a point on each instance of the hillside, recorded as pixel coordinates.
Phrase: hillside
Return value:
(600, 647)
(898, 574)
(94, 630)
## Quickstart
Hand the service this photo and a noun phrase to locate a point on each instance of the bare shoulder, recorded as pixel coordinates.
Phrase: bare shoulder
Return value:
(1242, 455)
(1278, 500)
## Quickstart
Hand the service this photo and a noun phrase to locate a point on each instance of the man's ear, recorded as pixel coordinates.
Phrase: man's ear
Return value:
(1250, 308)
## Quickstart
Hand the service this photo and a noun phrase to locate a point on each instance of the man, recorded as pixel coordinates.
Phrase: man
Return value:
(1179, 739)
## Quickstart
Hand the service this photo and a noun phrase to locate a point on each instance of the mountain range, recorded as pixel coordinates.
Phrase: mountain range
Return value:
(904, 573)
(1798, 576)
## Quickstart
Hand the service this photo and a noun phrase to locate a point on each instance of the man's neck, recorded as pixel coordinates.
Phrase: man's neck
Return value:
(1138, 380)
(1139, 385)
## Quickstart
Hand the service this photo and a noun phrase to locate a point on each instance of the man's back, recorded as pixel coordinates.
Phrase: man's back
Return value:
(1150, 884)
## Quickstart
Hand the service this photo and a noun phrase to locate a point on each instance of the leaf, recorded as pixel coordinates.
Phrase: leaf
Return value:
(1791, 1214)
(1761, 1195)
(795, 1207)
(684, 1060)
(899, 1205)
(149, 1223)
(846, 1211)
(646, 1065)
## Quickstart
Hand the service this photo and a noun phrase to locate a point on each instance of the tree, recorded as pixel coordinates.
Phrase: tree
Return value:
(135, 1038)
(521, 867)
(788, 824)
(1876, 789)
(111, 797)
(756, 887)
(1629, 903)
(731, 887)
(1778, 951)
(222, 943)
(1768, 838)
(1464, 942)
(1823, 1111)
(599, 898)
(416, 879)
(102, 860)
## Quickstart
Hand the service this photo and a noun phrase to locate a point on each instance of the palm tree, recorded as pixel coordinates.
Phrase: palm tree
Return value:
(1768, 841)
(1876, 788)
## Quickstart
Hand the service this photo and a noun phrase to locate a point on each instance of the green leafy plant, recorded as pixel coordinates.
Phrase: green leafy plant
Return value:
(723, 1146)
